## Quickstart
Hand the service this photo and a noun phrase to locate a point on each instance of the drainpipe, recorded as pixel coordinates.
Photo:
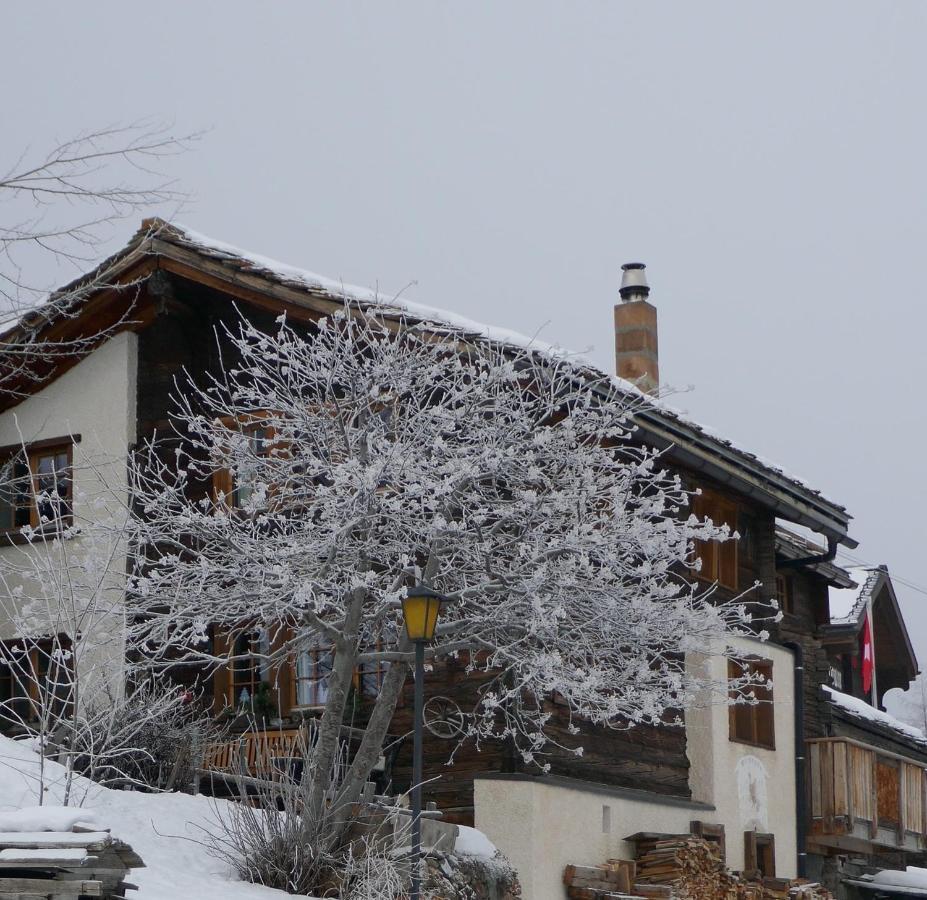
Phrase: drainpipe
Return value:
(801, 822)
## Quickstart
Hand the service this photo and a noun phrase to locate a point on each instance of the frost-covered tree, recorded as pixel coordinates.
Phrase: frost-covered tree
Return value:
(66, 680)
(362, 456)
(58, 209)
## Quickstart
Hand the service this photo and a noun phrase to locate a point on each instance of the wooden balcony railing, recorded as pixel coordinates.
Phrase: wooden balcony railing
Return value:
(258, 753)
(862, 795)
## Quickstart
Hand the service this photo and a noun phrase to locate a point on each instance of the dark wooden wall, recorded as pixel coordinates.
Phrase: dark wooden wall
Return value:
(183, 337)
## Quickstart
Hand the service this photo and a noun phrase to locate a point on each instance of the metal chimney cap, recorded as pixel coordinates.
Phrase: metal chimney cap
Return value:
(633, 282)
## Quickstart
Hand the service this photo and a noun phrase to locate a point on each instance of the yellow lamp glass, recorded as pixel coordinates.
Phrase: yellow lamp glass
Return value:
(420, 610)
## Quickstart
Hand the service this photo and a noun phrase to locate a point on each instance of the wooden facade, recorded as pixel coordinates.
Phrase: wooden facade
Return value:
(188, 293)
(864, 797)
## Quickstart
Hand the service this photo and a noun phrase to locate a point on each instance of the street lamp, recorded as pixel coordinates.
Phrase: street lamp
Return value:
(420, 608)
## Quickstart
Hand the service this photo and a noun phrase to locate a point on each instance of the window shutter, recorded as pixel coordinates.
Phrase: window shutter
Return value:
(707, 551)
(727, 551)
(765, 728)
(750, 856)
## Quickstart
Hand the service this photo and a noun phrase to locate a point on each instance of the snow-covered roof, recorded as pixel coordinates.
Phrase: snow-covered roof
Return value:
(847, 604)
(912, 882)
(793, 542)
(859, 709)
(155, 235)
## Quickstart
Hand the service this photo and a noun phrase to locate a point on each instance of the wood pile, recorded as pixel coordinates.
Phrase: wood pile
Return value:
(606, 882)
(679, 867)
(65, 865)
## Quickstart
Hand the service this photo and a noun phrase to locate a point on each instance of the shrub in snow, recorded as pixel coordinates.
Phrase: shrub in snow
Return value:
(151, 737)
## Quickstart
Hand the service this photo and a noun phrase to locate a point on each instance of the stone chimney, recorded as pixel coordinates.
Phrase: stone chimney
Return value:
(636, 357)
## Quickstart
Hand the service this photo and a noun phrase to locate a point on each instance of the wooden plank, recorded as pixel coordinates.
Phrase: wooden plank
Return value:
(51, 840)
(923, 807)
(873, 799)
(815, 758)
(827, 787)
(65, 857)
(902, 802)
(841, 803)
(852, 775)
(45, 887)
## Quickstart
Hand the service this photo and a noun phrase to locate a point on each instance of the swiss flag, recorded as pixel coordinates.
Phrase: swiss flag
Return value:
(867, 656)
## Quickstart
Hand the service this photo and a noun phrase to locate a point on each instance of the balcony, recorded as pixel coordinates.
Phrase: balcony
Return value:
(862, 796)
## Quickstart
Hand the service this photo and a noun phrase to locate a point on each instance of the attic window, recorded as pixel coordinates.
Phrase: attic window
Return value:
(719, 558)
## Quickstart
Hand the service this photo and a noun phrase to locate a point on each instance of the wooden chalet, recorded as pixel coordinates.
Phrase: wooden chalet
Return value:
(169, 292)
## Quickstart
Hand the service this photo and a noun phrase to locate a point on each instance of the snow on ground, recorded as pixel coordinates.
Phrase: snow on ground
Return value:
(44, 818)
(471, 842)
(161, 828)
(863, 710)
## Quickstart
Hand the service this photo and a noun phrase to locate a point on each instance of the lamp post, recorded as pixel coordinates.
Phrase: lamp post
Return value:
(420, 609)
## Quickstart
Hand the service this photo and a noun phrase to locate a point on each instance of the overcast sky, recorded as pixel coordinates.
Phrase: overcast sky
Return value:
(766, 162)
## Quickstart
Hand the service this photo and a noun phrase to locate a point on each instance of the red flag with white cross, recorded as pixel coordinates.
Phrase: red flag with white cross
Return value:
(867, 656)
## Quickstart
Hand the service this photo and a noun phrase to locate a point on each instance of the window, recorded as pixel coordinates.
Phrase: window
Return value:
(760, 854)
(719, 558)
(36, 486)
(752, 723)
(237, 488)
(250, 667)
(35, 680)
(313, 666)
(784, 594)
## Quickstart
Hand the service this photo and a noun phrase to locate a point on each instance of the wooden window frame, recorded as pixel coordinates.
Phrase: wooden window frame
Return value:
(256, 667)
(720, 561)
(317, 682)
(785, 594)
(224, 489)
(753, 724)
(28, 456)
(368, 677)
(32, 677)
(760, 854)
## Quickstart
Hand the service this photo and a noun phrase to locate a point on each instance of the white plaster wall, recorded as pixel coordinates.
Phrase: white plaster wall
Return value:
(96, 399)
(543, 826)
(751, 788)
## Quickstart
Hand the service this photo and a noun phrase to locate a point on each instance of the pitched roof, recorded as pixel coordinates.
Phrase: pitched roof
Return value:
(791, 544)
(660, 424)
(847, 605)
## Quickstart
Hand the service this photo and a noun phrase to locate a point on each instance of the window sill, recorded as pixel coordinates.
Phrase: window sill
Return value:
(17, 537)
(770, 747)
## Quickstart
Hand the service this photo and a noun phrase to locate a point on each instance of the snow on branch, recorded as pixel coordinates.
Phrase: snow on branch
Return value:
(320, 473)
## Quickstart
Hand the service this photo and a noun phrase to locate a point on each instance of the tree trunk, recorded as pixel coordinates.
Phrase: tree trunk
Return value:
(372, 743)
(325, 751)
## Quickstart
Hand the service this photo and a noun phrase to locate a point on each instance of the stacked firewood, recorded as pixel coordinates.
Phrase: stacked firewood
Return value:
(606, 882)
(679, 867)
(689, 865)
